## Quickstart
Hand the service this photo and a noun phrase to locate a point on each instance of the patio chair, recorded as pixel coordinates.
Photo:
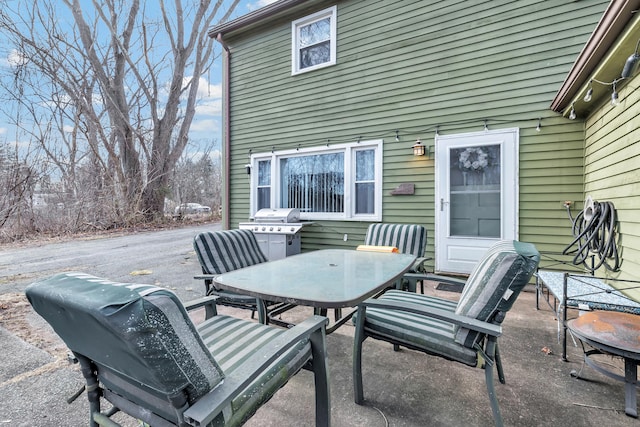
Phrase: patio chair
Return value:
(464, 332)
(139, 351)
(409, 239)
(227, 250)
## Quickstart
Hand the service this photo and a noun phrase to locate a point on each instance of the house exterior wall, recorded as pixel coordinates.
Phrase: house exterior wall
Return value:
(411, 66)
(612, 172)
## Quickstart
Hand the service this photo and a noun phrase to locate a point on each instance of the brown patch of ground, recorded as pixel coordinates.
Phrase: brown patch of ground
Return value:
(15, 311)
(7, 242)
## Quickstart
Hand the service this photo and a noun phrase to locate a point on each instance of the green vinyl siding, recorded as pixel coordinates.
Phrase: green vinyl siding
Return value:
(411, 66)
(612, 173)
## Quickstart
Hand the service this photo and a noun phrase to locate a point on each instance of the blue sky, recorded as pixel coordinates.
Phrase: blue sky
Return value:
(208, 116)
(207, 122)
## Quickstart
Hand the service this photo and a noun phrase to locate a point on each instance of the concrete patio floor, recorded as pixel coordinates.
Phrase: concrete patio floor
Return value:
(404, 388)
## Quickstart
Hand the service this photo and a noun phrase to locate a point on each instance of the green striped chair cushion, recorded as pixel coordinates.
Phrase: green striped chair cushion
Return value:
(494, 284)
(140, 335)
(408, 238)
(232, 341)
(223, 251)
(416, 331)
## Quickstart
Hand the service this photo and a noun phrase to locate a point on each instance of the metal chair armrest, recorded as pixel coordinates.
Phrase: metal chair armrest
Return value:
(208, 302)
(436, 277)
(418, 265)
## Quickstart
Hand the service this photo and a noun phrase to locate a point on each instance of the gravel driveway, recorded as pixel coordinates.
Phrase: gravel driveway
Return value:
(35, 376)
(164, 258)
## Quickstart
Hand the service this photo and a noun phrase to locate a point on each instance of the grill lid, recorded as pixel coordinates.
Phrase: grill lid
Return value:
(280, 215)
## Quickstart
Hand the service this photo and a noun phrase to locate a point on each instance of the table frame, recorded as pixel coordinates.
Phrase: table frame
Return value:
(584, 293)
(631, 361)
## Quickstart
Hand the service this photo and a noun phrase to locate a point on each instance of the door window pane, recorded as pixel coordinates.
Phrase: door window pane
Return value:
(474, 174)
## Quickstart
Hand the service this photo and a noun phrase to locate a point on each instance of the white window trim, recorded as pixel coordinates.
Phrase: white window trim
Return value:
(349, 169)
(331, 13)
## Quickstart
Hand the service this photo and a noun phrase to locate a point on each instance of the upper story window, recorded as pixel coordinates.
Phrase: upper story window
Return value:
(314, 41)
(341, 182)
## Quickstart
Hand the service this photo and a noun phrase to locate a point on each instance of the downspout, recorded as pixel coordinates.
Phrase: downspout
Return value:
(226, 97)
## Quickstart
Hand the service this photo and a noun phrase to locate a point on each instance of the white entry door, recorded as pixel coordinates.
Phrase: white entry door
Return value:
(476, 196)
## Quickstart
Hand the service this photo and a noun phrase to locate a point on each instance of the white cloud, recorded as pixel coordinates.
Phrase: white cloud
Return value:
(23, 146)
(206, 90)
(3, 131)
(206, 99)
(15, 58)
(206, 126)
(258, 4)
(209, 108)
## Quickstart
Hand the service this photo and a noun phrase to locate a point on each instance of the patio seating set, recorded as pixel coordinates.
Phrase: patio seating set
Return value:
(139, 350)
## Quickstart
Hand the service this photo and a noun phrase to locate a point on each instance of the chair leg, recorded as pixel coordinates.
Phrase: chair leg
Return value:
(358, 394)
(93, 390)
(412, 285)
(261, 306)
(499, 365)
(208, 286)
(488, 373)
(321, 378)
(210, 310)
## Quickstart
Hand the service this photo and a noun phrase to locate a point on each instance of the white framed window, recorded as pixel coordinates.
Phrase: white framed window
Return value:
(313, 41)
(340, 182)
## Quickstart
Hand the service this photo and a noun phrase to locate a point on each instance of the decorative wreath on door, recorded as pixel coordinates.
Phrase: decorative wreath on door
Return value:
(473, 159)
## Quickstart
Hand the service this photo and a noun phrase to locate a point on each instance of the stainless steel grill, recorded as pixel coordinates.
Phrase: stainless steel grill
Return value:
(277, 231)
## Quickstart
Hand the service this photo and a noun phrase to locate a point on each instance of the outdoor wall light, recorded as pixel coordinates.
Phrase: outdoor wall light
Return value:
(421, 150)
(248, 168)
(589, 94)
(614, 96)
(631, 66)
(629, 69)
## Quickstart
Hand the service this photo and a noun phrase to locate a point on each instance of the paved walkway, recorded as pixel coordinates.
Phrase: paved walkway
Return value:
(404, 388)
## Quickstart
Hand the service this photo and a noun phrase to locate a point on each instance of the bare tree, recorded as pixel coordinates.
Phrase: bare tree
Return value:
(15, 179)
(101, 87)
(198, 178)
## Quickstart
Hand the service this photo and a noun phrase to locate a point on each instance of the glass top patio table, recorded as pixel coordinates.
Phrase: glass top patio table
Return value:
(328, 278)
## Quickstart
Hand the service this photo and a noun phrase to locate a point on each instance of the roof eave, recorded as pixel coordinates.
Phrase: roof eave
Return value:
(613, 22)
(259, 15)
